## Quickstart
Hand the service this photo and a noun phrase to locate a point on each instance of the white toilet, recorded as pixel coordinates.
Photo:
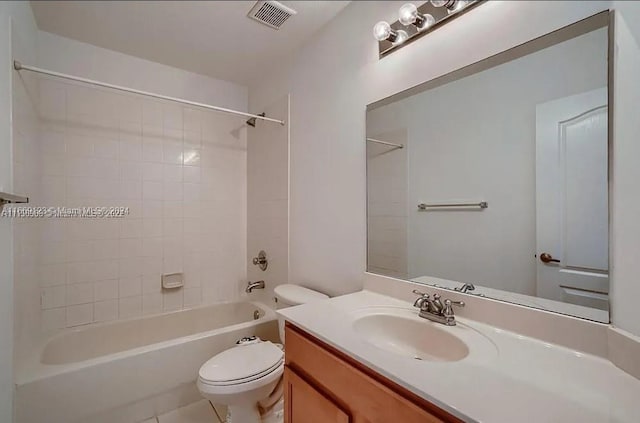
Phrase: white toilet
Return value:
(250, 372)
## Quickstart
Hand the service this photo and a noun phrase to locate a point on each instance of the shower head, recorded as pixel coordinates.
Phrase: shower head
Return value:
(252, 122)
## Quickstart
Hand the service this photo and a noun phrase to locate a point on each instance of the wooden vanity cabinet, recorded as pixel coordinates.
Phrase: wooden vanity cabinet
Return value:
(323, 385)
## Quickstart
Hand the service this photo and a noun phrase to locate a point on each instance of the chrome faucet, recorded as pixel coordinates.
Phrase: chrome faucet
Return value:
(436, 310)
(465, 288)
(254, 285)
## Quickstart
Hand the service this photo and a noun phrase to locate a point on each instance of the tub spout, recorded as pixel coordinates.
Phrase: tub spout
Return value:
(254, 285)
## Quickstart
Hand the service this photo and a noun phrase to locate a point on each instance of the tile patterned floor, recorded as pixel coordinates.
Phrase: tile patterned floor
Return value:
(198, 412)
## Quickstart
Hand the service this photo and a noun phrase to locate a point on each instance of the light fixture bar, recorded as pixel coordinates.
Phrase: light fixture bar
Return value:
(416, 22)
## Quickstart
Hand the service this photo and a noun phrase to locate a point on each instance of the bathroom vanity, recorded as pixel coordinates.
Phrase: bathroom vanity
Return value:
(325, 385)
(367, 357)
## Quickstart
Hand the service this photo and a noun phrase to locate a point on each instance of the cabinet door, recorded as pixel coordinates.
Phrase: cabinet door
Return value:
(305, 404)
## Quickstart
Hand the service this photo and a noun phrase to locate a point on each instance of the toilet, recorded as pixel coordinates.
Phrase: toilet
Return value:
(250, 372)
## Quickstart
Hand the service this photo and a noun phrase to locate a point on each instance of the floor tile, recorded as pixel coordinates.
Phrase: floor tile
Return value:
(198, 412)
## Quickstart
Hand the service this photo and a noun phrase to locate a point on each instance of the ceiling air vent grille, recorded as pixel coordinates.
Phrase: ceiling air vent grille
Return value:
(271, 13)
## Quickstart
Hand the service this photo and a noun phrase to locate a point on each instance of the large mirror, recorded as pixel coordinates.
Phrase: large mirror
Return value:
(493, 179)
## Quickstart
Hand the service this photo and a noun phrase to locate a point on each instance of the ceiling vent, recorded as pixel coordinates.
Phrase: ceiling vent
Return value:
(271, 13)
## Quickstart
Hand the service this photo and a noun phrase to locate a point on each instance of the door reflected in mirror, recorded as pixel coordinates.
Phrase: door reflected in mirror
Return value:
(496, 175)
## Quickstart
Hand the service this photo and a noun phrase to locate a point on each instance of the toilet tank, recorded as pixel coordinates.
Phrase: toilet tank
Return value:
(290, 295)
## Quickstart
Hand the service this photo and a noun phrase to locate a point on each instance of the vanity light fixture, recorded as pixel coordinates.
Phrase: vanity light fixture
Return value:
(416, 21)
(409, 15)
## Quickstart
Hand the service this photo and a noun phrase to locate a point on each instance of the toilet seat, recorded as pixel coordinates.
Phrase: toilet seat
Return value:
(243, 380)
(241, 365)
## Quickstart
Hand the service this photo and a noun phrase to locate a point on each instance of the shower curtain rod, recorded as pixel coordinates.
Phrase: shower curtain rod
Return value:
(19, 66)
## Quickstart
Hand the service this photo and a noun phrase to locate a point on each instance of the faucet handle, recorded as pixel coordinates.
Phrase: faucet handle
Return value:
(448, 309)
(419, 302)
(455, 303)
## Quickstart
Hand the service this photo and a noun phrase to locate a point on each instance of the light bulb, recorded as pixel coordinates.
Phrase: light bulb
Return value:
(401, 37)
(428, 21)
(457, 6)
(408, 14)
(382, 31)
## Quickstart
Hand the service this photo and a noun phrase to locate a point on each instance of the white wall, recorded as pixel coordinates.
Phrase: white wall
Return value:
(268, 199)
(26, 181)
(17, 37)
(333, 78)
(69, 56)
(474, 139)
(625, 245)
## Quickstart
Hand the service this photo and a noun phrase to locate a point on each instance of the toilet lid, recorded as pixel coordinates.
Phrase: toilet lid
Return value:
(241, 364)
(295, 294)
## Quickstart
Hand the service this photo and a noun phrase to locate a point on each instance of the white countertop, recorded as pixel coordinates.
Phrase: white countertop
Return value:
(522, 379)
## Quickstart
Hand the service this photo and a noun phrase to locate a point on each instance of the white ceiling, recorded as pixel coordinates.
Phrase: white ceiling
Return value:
(213, 38)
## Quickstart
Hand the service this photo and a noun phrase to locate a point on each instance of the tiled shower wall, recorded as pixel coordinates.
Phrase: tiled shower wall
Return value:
(182, 174)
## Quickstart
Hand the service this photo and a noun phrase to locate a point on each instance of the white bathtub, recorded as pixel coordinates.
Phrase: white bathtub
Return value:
(129, 370)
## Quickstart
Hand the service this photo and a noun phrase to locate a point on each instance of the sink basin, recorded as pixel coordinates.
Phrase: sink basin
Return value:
(405, 334)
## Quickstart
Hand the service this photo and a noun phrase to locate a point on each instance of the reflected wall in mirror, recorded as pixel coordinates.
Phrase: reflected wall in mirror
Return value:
(497, 176)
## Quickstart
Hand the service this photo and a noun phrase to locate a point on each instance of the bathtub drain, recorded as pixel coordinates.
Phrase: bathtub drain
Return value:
(256, 314)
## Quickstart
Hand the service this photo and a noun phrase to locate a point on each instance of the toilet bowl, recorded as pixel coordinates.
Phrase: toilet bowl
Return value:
(242, 376)
(249, 373)
(290, 295)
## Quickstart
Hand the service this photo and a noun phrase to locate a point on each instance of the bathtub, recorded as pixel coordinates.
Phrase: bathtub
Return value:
(130, 370)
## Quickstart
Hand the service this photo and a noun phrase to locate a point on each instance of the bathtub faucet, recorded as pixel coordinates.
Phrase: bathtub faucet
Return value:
(254, 285)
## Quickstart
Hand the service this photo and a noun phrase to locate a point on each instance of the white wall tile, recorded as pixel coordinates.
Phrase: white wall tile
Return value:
(129, 268)
(53, 296)
(130, 228)
(54, 319)
(79, 315)
(192, 297)
(191, 174)
(80, 293)
(151, 283)
(130, 247)
(151, 228)
(152, 303)
(152, 149)
(152, 113)
(130, 287)
(152, 190)
(104, 311)
(172, 173)
(152, 172)
(106, 148)
(130, 307)
(172, 116)
(172, 209)
(172, 191)
(130, 171)
(105, 290)
(106, 249)
(53, 274)
(172, 300)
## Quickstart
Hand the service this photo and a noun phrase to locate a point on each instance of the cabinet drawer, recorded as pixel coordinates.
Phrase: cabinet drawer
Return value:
(364, 394)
